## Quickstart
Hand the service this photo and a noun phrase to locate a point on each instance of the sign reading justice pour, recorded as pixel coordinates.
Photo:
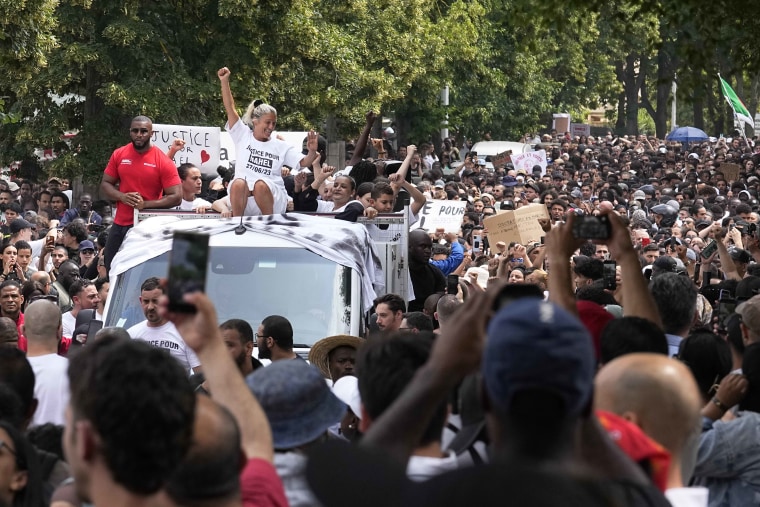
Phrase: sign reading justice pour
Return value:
(201, 145)
(441, 213)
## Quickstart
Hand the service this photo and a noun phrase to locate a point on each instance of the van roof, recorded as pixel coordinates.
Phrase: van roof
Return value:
(493, 148)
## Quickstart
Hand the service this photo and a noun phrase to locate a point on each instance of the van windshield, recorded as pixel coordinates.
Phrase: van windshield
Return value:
(313, 293)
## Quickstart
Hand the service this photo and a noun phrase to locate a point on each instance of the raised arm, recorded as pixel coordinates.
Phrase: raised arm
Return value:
(228, 388)
(229, 102)
(560, 245)
(456, 353)
(638, 300)
(361, 143)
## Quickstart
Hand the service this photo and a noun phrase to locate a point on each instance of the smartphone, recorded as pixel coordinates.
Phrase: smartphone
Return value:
(726, 308)
(188, 262)
(592, 227)
(452, 284)
(477, 240)
(50, 240)
(92, 329)
(610, 275)
(709, 249)
(706, 278)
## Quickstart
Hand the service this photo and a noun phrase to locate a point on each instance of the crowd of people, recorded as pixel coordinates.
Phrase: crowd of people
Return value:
(616, 364)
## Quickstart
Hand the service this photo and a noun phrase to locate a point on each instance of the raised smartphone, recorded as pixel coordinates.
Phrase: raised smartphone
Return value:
(188, 262)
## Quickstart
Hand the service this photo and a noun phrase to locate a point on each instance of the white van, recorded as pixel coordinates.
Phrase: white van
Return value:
(320, 273)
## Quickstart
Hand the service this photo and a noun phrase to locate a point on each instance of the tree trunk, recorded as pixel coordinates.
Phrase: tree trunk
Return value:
(630, 85)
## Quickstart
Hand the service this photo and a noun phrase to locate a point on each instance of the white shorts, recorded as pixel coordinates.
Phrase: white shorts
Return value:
(279, 195)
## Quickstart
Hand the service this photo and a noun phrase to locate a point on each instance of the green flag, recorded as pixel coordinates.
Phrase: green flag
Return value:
(736, 104)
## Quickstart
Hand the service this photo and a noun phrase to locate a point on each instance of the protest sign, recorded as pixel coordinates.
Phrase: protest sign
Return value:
(441, 213)
(201, 145)
(580, 129)
(529, 159)
(501, 158)
(520, 225)
(730, 171)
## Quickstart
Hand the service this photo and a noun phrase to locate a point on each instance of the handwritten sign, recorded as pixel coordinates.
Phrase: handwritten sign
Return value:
(501, 158)
(441, 213)
(201, 145)
(730, 171)
(520, 225)
(580, 129)
(528, 160)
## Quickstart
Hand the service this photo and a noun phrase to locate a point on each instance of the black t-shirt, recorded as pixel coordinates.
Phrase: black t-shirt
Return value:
(344, 475)
(426, 280)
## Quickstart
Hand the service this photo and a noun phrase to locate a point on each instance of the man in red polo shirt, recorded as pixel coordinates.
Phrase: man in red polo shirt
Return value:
(146, 178)
(11, 301)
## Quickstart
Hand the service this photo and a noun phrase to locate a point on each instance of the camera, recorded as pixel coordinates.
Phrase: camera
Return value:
(592, 227)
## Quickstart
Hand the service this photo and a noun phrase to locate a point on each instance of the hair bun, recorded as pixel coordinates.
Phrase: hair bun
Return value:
(257, 102)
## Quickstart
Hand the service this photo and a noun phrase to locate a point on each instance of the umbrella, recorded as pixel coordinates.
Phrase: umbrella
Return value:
(687, 135)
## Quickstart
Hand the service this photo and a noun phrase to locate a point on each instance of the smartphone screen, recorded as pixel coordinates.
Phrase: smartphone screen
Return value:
(709, 249)
(92, 329)
(610, 275)
(452, 284)
(188, 262)
(476, 241)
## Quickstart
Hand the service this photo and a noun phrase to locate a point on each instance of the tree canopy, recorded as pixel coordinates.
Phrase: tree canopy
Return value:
(91, 65)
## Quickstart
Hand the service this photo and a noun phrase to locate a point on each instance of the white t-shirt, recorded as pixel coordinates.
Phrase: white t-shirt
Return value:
(51, 388)
(194, 204)
(257, 160)
(422, 468)
(687, 497)
(69, 323)
(166, 337)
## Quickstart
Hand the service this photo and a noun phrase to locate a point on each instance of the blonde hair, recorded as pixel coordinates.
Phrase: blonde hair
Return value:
(257, 109)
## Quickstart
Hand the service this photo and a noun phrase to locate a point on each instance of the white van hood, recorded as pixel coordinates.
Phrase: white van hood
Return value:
(344, 243)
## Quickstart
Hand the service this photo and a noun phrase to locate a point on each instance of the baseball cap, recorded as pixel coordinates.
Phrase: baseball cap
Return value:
(13, 186)
(534, 344)
(439, 184)
(639, 195)
(54, 180)
(18, 225)
(750, 313)
(86, 245)
(297, 401)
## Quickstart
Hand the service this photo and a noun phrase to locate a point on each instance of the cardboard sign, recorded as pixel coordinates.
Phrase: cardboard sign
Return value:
(730, 171)
(441, 213)
(201, 145)
(528, 160)
(520, 225)
(501, 158)
(580, 129)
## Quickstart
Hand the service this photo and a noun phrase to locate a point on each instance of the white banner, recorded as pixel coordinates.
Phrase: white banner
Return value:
(201, 145)
(580, 129)
(528, 160)
(440, 213)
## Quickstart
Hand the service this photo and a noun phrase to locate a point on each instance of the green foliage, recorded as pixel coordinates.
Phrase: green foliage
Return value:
(91, 65)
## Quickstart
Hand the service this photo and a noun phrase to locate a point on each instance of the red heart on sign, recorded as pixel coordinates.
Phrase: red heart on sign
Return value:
(205, 157)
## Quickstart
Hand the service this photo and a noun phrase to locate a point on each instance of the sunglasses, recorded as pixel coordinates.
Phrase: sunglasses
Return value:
(139, 131)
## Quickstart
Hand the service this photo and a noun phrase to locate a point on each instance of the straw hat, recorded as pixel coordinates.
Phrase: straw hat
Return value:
(318, 355)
